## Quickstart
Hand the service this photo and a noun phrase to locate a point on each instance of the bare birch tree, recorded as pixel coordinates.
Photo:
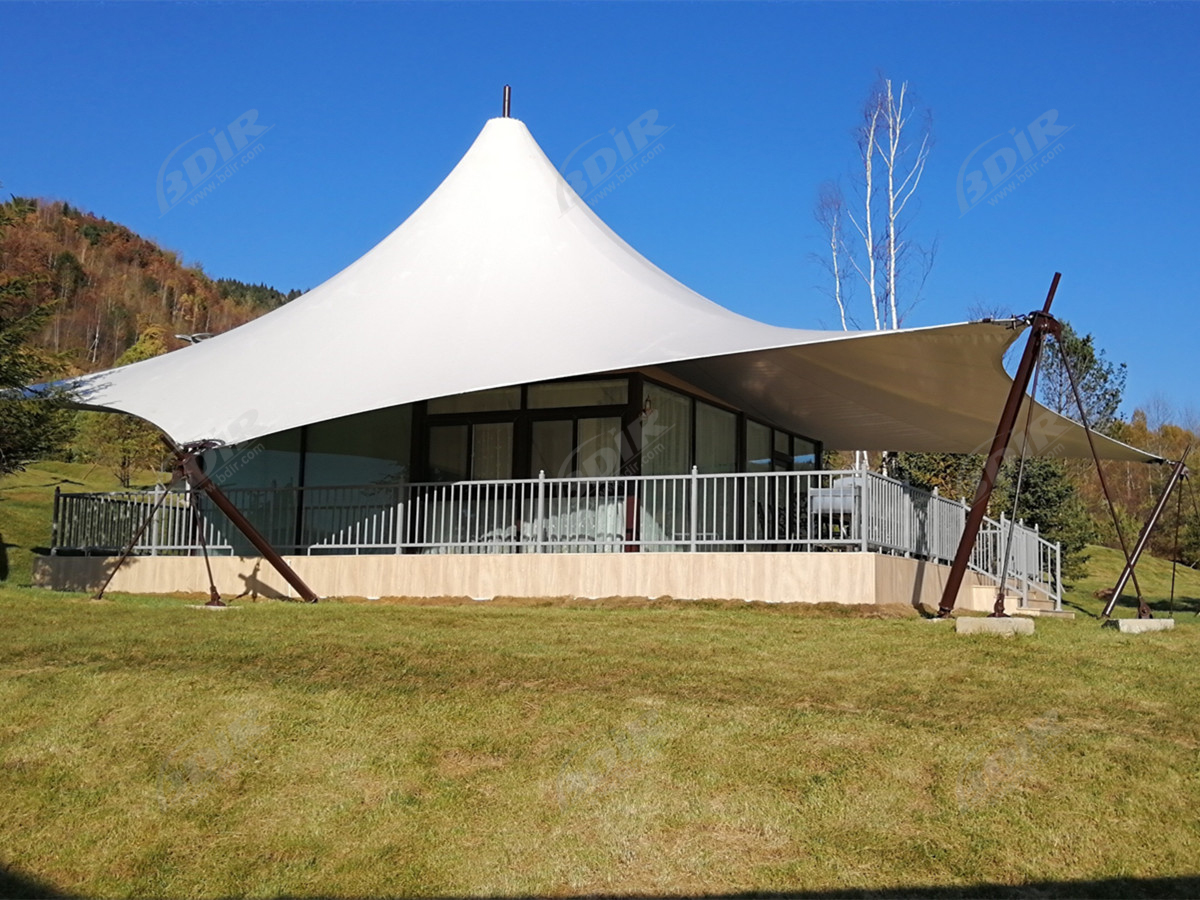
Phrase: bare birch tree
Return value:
(904, 156)
(894, 138)
(830, 213)
(866, 138)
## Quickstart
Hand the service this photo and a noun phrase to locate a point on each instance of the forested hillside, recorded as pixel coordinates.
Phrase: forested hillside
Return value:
(106, 285)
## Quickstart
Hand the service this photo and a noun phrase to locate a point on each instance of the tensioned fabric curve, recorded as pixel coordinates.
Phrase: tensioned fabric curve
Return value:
(504, 276)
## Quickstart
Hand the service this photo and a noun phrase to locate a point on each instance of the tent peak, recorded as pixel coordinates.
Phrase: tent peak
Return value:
(505, 276)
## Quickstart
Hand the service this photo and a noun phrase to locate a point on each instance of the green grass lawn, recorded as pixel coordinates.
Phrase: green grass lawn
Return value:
(1154, 575)
(368, 750)
(27, 504)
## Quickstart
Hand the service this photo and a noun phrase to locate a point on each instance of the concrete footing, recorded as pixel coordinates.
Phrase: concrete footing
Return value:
(1140, 626)
(987, 625)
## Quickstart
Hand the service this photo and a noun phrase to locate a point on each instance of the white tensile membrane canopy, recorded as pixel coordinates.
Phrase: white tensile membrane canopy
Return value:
(504, 276)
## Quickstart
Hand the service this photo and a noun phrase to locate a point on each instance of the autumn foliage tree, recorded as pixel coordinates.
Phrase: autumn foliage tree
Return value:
(1136, 487)
(107, 284)
(124, 443)
(79, 293)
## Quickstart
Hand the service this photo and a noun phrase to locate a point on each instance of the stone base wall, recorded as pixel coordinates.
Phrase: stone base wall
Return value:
(851, 578)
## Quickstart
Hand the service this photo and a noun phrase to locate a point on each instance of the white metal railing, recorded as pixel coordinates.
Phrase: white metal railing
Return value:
(777, 511)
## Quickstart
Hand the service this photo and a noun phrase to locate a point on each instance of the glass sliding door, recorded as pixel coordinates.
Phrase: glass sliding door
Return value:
(260, 467)
(758, 447)
(448, 452)
(666, 450)
(716, 453)
(783, 451)
(716, 439)
(353, 469)
(553, 448)
(598, 447)
(666, 432)
(368, 448)
(492, 451)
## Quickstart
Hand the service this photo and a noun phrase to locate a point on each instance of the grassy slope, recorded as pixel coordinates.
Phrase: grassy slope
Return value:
(358, 750)
(1154, 575)
(364, 750)
(27, 504)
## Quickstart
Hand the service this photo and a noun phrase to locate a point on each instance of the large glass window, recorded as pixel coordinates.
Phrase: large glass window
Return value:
(492, 451)
(553, 446)
(598, 451)
(758, 447)
(448, 451)
(270, 461)
(666, 432)
(783, 451)
(804, 455)
(675, 431)
(716, 439)
(610, 392)
(267, 462)
(478, 401)
(481, 452)
(369, 448)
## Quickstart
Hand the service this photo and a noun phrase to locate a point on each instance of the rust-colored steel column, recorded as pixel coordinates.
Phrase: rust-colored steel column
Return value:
(199, 481)
(1041, 324)
(1180, 471)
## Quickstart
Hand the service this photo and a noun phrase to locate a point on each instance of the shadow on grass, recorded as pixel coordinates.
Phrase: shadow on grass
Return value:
(17, 885)
(1081, 610)
(14, 884)
(1179, 606)
(1115, 888)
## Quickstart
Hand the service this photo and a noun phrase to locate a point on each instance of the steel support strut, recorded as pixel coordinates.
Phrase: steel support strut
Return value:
(125, 554)
(1041, 324)
(1177, 474)
(186, 456)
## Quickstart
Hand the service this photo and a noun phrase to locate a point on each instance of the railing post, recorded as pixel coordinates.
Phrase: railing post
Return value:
(538, 522)
(996, 560)
(933, 518)
(1058, 589)
(1037, 555)
(55, 534)
(692, 511)
(401, 507)
(155, 523)
(1025, 567)
(863, 505)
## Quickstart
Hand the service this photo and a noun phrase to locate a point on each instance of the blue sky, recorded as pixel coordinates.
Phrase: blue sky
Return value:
(371, 105)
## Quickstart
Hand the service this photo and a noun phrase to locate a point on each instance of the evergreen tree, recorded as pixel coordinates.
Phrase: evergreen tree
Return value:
(29, 427)
(1050, 501)
(953, 475)
(1101, 383)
